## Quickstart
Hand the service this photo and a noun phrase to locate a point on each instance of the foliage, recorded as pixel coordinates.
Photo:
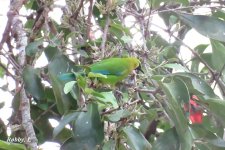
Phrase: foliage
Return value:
(144, 111)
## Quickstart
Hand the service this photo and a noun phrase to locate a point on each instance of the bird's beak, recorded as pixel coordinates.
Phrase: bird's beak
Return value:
(139, 69)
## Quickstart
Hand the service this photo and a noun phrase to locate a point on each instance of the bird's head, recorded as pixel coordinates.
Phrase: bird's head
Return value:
(136, 64)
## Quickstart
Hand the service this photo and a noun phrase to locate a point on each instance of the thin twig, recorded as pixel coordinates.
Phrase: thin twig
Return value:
(124, 105)
(10, 60)
(7, 71)
(147, 90)
(89, 24)
(104, 36)
(7, 29)
(193, 51)
(219, 75)
(45, 112)
(76, 13)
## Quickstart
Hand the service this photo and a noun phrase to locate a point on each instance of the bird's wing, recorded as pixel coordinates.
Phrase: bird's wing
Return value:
(111, 66)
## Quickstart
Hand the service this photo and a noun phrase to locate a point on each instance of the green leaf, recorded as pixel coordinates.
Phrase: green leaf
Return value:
(157, 3)
(219, 13)
(135, 139)
(33, 83)
(118, 30)
(88, 130)
(176, 67)
(118, 115)
(93, 92)
(176, 92)
(49, 94)
(196, 85)
(16, 102)
(64, 102)
(107, 100)
(32, 4)
(109, 145)
(209, 138)
(157, 77)
(169, 52)
(11, 146)
(81, 81)
(33, 47)
(42, 125)
(2, 72)
(51, 52)
(216, 106)
(206, 25)
(64, 121)
(126, 39)
(195, 61)
(168, 140)
(218, 55)
(69, 86)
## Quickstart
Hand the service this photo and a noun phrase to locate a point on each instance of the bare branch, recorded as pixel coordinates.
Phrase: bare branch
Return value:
(76, 13)
(7, 71)
(104, 36)
(7, 30)
(89, 24)
(211, 70)
(21, 41)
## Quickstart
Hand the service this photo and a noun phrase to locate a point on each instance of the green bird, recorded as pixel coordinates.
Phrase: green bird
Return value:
(111, 70)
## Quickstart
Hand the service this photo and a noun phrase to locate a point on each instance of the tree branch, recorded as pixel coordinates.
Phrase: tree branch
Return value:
(104, 36)
(211, 70)
(21, 41)
(76, 13)
(7, 71)
(89, 24)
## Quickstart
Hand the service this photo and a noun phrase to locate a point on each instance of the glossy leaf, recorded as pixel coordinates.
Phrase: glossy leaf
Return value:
(2, 72)
(169, 140)
(206, 25)
(196, 85)
(218, 55)
(210, 139)
(33, 83)
(93, 93)
(118, 115)
(109, 145)
(216, 106)
(11, 146)
(64, 101)
(219, 13)
(135, 139)
(176, 92)
(107, 100)
(176, 67)
(69, 86)
(126, 39)
(33, 47)
(195, 61)
(66, 119)
(88, 130)
(156, 3)
(42, 125)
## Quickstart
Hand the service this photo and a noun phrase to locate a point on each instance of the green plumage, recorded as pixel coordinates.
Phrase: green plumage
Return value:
(113, 69)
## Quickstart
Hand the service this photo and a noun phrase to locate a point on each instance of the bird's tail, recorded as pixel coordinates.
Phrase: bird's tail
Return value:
(67, 76)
